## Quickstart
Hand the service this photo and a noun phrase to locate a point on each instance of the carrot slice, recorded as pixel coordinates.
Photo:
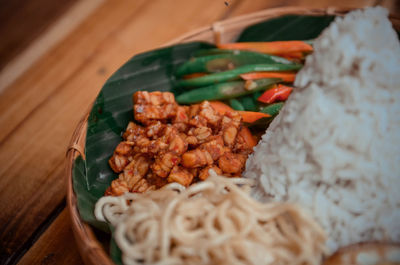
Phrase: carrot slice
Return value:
(220, 107)
(247, 136)
(278, 93)
(247, 116)
(274, 47)
(292, 55)
(252, 116)
(286, 77)
(193, 75)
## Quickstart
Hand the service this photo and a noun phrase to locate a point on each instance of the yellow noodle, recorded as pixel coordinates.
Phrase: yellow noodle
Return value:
(212, 222)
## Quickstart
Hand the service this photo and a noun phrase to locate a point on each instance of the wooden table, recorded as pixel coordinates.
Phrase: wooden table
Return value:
(48, 81)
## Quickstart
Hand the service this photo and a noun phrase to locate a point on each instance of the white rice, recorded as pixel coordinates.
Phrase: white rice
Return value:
(335, 146)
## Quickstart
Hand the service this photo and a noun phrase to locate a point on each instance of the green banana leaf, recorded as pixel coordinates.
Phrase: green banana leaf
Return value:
(289, 27)
(152, 71)
(111, 113)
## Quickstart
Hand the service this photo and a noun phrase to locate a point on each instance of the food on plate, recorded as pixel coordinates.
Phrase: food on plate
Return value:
(322, 180)
(172, 143)
(226, 90)
(226, 61)
(210, 222)
(334, 146)
(243, 75)
(235, 73)
(294, 49)
(286, 77)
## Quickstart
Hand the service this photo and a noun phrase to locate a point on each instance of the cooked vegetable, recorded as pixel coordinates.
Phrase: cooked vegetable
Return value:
(247, 116)
(278, 93)
(226, 90)
(220, 107)
(249, 103)
(217, 73)
(274, 47)
(256, 95)
(293, 55)
(235, 74)
(272, 109)
(216, 51)
(193, 75)
(226, 61)
(286, 77)
(213, 51)
(235, 104)
(252, 116)
(247, 136)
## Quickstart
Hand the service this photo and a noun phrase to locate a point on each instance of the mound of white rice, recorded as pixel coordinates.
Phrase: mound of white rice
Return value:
(335, 146)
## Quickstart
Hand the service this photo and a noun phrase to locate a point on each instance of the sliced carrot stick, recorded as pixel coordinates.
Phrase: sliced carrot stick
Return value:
(193, 75)
(247, 136)
(252, 116)
(220, 107)
(292, 55)
(286, 77)
(247, 116)
(274, 47)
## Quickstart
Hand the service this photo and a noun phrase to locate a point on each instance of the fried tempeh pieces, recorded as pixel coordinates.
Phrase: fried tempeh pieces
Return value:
(172, 143)
(230, 127)
(232, 163)
(132, 178)
(180, 175)
(149, 107)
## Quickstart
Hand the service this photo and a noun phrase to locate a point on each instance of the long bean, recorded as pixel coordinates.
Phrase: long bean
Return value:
(235, 104)
(227, 61)
(272, 109)
(226, 90)
(235, 74)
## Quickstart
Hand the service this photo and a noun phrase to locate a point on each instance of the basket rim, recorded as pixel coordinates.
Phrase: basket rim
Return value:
(90, 249)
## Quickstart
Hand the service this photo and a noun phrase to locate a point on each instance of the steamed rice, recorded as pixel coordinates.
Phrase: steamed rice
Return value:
(334, 148)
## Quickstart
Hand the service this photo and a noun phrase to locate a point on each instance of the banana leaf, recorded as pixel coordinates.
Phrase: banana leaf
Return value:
(289, 27)
(153, 70)
(112, 111)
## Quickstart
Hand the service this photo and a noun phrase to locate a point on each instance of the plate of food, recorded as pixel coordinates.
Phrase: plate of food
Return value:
(274, 144)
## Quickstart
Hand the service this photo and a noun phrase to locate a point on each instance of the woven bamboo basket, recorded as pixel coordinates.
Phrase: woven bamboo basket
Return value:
(90, 248)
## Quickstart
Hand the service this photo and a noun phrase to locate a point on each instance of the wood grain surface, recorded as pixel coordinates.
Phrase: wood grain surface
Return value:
(16, 34)
(39, 111)
(55, 246)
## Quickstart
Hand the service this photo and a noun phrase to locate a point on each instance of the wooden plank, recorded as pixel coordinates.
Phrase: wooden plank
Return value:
(55, 246)
(246, 7)
(61, 63)
(22, 21)
(42, 44)
(330, 3)
(32, 165)
(24, 213)
(154, 32)
(392, 5)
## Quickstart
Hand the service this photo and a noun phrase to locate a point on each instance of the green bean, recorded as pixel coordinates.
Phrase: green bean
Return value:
(235, 104)
(272, 109)
(227, 61)
(249, 102)
(213, 51)
(235, 74)
(226, 90)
